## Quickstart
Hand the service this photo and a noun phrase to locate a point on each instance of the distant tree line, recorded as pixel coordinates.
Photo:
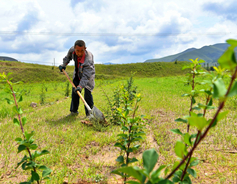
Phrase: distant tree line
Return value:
(209, 66)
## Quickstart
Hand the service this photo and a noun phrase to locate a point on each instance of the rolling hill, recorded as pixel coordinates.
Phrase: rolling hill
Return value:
(33, 73)
(210, 54)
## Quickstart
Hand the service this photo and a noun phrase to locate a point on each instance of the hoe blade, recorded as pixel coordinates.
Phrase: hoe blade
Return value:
(97, 115)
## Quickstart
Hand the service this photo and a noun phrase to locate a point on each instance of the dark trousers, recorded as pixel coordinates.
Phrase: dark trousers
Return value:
(75, 98)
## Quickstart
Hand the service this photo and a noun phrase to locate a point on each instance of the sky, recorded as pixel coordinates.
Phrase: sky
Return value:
(124, 31)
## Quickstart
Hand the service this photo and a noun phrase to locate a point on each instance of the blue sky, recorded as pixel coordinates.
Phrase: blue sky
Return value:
(125, 31)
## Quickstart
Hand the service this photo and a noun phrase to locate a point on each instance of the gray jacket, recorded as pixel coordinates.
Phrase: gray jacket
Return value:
(88, 68)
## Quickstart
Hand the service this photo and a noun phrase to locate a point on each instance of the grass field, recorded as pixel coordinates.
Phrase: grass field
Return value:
(79, 153)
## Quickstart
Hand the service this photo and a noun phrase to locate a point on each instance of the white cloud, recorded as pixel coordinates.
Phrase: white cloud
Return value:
(115, 31)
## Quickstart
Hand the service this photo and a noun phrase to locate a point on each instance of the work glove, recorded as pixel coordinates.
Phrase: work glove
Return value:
(77, 89)
(62, 67)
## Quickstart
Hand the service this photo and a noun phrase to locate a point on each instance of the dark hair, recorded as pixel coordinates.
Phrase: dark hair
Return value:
(80, 43)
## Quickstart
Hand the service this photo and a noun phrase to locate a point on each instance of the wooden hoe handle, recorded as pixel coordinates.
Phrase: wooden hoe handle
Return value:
(87, 106)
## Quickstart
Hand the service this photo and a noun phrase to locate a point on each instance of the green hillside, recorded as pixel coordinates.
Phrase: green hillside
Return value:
(210, 54)
(29, 73)
(170, 58)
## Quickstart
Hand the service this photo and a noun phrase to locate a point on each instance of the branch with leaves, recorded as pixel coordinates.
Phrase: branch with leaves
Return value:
(27, 142)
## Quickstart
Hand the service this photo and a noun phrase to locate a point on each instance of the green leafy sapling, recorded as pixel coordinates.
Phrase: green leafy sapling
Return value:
(117, 99)
(26, 143)
(184, 148)
(132, 128)
(196, 70)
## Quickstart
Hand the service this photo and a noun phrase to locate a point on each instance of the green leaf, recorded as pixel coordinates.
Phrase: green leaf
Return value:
(193, 136)
(18, 139)
(155, 174)
(176, 179)
(34, 176)
(133, 182)
(166, 170)
(139, 133)
(137, 146)
(120, 159)
(43, 167)
(132, 160)
(150, 158)
(122, 135)
(29, 165)
(176, 131)
(219, 89)
(205, 106)
(117, 172)
(44, 152)
(185, 67)
(18, 82)
(200, 115)
(20, 110)
(46, 178)
(131, 171)
(232, 42)
(198, 122)
(194, 161)
(233, 90)
(21, 148)
(24, 120)
(185, 95)
(165, 181)
(124, 128)
(117, 144)
(14, 108)
(38, 154)
(20, 99)
(16, 122)
(201, 61)
(210, 102)
(8, 74)
(26, 182)
(10, 102)
(187, 139)
(186, 180)
(178, 173)
(23, 160)
(192, 172)
(181, 120)
(33, 146)
(179, 149)
(214, 124)
(196, 108)
(227, 60)
(46, 172)
(175, 165)
(221, 115)
(28, 136)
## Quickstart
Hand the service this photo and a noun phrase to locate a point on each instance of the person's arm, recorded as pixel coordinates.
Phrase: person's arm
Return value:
(68, 57)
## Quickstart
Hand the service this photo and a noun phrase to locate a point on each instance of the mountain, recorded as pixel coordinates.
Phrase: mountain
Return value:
(5, 58)
(210, 54)
(108, 63)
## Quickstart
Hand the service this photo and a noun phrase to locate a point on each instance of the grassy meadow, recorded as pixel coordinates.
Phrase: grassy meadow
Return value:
(79, 153)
